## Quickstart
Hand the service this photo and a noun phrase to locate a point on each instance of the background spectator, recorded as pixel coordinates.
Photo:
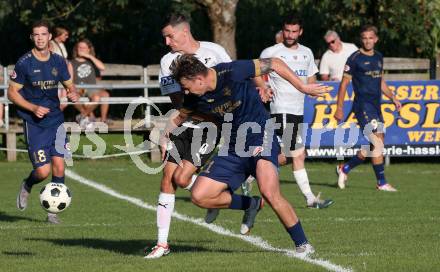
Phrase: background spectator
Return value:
(59, 37)
(86, 70)
(333, 60)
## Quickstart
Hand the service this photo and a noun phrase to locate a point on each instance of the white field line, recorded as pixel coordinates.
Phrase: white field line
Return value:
(139, 152)
(254, 240)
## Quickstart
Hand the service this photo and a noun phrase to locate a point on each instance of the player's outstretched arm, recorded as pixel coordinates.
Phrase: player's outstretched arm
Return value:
(274, 64)
(339, 114)
(18, 100)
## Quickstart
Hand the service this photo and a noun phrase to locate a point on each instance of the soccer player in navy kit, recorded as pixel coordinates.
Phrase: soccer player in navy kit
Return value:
(34, 89)
(227, 93)
(365, 69)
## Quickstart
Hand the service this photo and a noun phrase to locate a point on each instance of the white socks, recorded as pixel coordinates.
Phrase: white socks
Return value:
(303, 183)
(193, 179)
(165, 208)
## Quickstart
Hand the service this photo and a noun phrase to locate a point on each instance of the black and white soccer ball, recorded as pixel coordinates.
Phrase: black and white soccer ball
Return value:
(55, 197)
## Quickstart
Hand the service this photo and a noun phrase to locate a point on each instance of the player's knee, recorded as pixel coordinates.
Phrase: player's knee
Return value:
(42, 172)
(181, 180)
(299, 157)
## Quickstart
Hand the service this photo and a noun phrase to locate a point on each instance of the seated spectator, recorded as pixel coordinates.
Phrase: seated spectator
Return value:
(59, 37)
(86, 70)
(333, 61)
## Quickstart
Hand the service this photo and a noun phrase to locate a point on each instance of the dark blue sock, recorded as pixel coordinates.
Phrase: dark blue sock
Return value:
(58, 179)
(240, 202)
(30, 181)
(297, 234)
(352, 163)
(380, 174)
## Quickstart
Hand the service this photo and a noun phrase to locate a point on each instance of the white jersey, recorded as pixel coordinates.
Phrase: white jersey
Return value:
(287, 99)
(209, 53)
(332, 63)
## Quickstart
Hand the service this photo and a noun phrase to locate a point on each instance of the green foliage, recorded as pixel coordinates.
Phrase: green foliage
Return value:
(128, 31)
(407, 28)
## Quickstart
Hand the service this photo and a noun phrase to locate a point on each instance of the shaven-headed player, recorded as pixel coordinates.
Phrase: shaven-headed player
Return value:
(178, 37)
(34, 89)
(227, 92)
(287, 105)
(365, 69)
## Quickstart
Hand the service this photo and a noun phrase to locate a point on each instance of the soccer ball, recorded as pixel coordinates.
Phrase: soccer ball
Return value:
(55, 197)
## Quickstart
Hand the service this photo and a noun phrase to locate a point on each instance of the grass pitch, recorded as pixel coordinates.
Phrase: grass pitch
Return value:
(364, 230)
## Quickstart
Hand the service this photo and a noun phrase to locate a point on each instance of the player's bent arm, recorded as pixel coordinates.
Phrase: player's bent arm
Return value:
(339, 114)
(18, 99)
(277, 65)
(342, 90)
(72, 93)
(387, 91)
(176, 119)
(384, 86)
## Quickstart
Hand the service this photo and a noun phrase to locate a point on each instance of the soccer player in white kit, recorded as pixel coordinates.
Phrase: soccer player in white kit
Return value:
(287, 104)
(178, 37)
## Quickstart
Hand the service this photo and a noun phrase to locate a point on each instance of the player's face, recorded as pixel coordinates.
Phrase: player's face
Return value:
(291, 34)
(195, 86)
(41, 37)
(175, 37)
(368, 40)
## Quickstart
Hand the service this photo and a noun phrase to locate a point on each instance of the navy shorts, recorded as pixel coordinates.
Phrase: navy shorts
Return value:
(43, 143)
(369, 120)
(234, 169)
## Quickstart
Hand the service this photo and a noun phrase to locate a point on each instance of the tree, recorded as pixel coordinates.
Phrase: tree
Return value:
(223, 22)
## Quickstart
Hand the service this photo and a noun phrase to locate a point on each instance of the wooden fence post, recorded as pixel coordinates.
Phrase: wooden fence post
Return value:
(437, 66)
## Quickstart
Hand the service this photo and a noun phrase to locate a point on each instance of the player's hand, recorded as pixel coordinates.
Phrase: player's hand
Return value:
(73, 96)
(266, 94)
(40, 111)
(339, 114)
(317, 90)
(397, 103)
(163, 143)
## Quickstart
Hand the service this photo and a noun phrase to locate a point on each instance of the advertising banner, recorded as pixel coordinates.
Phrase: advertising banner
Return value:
(414, 131)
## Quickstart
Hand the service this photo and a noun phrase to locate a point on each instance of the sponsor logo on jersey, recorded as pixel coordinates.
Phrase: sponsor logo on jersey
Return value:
(54, 71)
(37, 71)
(227, 91)
(346, 68)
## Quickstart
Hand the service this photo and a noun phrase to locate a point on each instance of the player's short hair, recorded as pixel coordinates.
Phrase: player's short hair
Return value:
(187, 66)
(292, 19)
(174, 19)
(372, 28)
(40, 23)
(58, 31)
